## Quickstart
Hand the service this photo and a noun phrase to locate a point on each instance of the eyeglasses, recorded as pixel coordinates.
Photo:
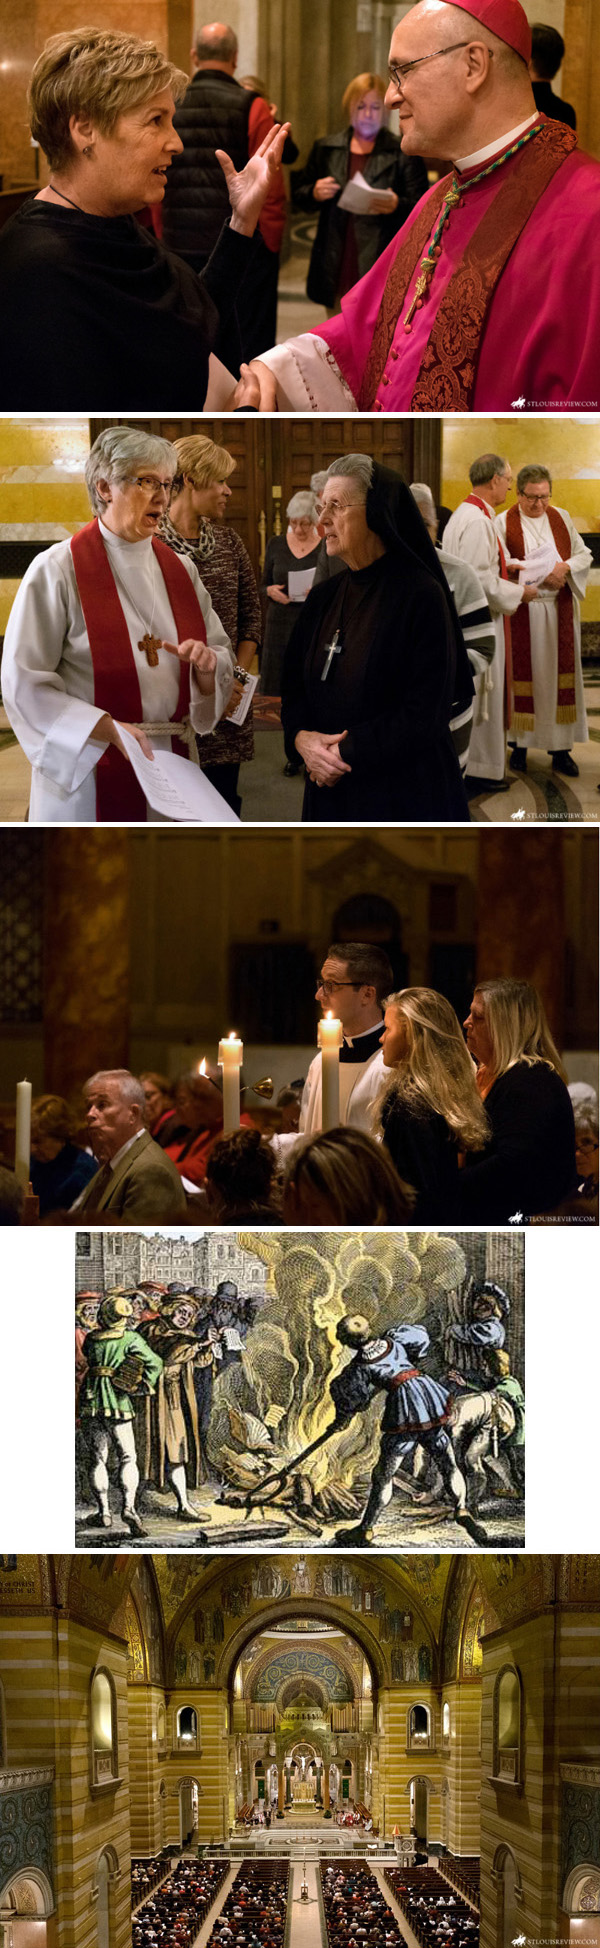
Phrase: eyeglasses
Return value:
(335, 507)
(535, 497)
(149, 484)
(399, 71)
(328, 987)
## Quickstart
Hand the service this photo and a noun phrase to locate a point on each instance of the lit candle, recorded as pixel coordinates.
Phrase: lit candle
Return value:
(231, 1056)
(23, 1134)
(330, 1038)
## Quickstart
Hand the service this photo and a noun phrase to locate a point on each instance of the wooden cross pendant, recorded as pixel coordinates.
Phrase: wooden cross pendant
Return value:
(334, 648)
(150, 645)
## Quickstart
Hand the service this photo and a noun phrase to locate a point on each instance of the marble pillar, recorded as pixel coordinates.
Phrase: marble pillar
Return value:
(86, 955)
(520, 914)
(326, 1800)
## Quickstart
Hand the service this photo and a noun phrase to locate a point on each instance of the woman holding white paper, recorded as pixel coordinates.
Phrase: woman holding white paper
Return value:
(109, 629)
(291, 563)
(352, 234)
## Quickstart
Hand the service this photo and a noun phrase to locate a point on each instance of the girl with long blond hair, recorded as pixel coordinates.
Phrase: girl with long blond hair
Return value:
(428, 1110)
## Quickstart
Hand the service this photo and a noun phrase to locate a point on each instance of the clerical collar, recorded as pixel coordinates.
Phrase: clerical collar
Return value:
(360, 1048)
(495, 148)
(117, 541)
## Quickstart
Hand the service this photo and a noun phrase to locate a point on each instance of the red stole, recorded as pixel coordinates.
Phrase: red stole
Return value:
(446, 381)
(524, 714)
(474, 501)
(119, 797)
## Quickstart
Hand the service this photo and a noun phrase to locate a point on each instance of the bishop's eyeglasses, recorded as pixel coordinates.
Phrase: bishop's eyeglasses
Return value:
(398, 71)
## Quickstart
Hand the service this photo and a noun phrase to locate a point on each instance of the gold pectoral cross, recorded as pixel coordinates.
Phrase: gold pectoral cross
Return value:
(150, 645)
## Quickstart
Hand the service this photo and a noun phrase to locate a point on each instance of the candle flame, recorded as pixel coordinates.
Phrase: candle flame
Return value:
(329, 1014)
(232, 1036)
(202, 1066)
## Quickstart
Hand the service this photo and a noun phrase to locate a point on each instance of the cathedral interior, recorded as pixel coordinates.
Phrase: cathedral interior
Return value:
(142, 948)
(155, 1703)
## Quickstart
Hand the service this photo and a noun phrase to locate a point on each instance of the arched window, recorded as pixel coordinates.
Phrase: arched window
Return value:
(161, 1727)
(508, 1726)
(187, 1729)
(419, 1727)
(103, 1714)
(446, 1722)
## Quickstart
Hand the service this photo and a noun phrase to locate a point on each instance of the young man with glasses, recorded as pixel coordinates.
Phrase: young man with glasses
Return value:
(549, 706)
(354, 980)
(490, 293)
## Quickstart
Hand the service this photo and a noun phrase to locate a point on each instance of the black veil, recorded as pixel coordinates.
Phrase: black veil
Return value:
(394, 516)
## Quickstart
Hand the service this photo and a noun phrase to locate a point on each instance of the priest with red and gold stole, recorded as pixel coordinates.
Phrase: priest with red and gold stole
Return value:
(548, 701)
(489, 296)
(111, 629)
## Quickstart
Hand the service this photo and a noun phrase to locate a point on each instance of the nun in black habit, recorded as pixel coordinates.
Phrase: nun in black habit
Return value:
(376, 665)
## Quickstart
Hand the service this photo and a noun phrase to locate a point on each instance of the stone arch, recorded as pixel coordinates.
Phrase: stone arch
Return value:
(419, 1738)
(41, 1899)
(420, 1790)
(325, 1610)
(581, 1892)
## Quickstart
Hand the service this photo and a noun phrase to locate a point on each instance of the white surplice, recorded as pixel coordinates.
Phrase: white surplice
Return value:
(472, 536)
(543, 620)
(48, 674)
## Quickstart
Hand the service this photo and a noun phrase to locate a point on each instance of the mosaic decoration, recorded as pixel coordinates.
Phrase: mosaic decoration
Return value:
(580, 1827)
(25, 1832)
(136, 1660)
(303, 1663)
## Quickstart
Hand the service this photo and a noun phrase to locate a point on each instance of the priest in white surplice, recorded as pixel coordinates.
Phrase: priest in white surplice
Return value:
(471, 534)
(541, 543)
(112, 628)
(353, 983)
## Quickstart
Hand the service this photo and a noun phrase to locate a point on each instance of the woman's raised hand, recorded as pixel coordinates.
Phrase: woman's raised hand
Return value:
(248, 188)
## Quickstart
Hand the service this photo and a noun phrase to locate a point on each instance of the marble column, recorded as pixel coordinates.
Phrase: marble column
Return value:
(520, 913)
(86, 955)
(280, 1792)
(326, 1801)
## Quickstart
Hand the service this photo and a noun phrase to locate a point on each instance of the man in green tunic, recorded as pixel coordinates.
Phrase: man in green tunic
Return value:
(120, 1364)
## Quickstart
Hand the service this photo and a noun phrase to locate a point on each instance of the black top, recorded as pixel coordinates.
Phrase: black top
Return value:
(214, 114)
(280, 561)
(59, 1182)
(384, 168)
(96, 314)
(391, 689)
(425, 1154)
(529, 1165)
(547, 103)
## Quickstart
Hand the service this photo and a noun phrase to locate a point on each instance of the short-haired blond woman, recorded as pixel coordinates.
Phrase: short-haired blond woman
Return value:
(196, 526)
(528, 1167)
(429, 1111)
(94, 313)
(346, 246)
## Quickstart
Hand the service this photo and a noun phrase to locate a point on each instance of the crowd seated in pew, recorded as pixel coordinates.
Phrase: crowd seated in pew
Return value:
(465, 1873)
(254, 1913)
(172, 1916)
(147, 1874)
(356, 1911)
(438, 1918)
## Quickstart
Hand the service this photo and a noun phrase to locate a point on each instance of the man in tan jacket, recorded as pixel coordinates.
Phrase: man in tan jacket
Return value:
(136, 1180)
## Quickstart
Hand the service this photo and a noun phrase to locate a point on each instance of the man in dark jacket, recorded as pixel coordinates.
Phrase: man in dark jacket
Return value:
(547, 56)
(217, 113)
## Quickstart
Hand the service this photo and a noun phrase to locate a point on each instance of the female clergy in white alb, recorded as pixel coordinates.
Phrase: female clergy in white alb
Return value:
(112, 628)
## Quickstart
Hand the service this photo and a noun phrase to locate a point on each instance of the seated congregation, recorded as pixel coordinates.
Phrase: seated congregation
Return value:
(421, 1121)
